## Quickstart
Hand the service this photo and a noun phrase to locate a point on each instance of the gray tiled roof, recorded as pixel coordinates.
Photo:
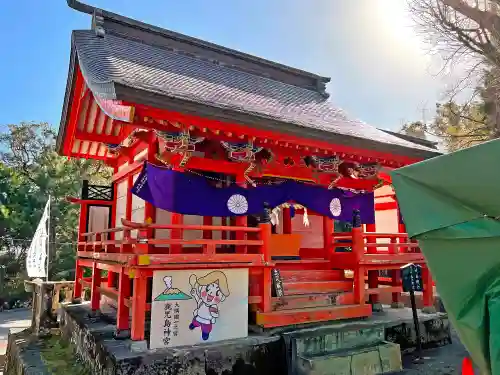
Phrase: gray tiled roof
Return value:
(112, 59)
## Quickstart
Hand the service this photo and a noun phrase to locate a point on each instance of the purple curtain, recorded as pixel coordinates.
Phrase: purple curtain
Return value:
(188, 194)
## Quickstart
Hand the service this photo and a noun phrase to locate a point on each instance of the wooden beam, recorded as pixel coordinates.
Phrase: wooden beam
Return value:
(94, 137)
(304, 287)
(93, 157)
(75, 104)
(311, 315)
(386, 206)
(391, 160)
(129, 169)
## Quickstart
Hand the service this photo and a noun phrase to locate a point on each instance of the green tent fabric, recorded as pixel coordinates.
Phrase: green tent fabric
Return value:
(451, 204)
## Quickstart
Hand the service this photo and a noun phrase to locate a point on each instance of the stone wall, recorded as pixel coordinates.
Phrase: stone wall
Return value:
(23, 355)
(94, 343)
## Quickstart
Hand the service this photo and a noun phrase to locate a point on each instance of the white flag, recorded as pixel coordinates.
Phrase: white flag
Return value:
(36, 259)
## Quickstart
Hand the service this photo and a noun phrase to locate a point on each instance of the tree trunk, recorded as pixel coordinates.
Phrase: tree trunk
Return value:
(488, 20)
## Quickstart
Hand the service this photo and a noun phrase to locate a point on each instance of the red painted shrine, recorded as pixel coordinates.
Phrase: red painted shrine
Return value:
(137, 93)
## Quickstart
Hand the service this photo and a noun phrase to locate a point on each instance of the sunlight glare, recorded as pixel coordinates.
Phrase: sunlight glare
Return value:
(395, 23)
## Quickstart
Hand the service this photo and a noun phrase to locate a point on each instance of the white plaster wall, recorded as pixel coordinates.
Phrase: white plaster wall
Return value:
(121, 205)
(138, 209)
(98, 219)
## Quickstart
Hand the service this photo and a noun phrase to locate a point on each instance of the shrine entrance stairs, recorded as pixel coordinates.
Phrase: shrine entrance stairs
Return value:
(314, 294)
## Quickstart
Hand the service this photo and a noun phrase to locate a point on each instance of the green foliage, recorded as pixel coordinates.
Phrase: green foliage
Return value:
(59, 356)
(415, 129)
(30, 172)
(462, 125)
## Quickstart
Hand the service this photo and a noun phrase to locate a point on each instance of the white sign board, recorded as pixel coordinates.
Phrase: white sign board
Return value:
(195, 306)
(36, 259)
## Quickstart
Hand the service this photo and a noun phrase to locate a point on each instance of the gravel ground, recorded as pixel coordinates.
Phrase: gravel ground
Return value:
(446, 360)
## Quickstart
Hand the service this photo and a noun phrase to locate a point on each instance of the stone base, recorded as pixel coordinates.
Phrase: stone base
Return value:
(307, 349)
(384, 358)
(105, 355)
(23, 355)
(397, 305)
(429, 310)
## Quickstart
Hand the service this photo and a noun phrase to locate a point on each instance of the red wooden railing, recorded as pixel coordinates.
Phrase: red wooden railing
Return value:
(138, 253)
(370, 255)
(139, 256)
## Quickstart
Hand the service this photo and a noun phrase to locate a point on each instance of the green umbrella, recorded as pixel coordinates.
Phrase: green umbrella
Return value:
(451, 204)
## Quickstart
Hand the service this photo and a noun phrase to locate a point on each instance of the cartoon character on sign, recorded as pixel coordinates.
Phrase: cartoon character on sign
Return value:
(208, 292)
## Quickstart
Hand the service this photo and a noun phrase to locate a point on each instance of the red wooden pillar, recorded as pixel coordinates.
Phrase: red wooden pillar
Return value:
(77, 289)
(287, 221)
(374, 274)
(358, 250)
(223, 235)
(149, 209)
(111, 279)
(139, 306)
(149, 217)
(266, 286)
(112, 248)
(82, 228)
(241, 221)
(123, 312)
(95, 296)
(82, 224)
(327, 236)
(207, 234)
(177, 234)
(396, 275)
(428, 293)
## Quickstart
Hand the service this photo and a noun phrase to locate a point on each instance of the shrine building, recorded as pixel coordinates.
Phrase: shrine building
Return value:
(241, 196)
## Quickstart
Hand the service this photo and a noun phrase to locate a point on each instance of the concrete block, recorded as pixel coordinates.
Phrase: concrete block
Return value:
(367, 363)
(324, 341)
(384, 358)
(390, 357)
(429, 310)
(329, 366)
(139, 346)
(398, 305)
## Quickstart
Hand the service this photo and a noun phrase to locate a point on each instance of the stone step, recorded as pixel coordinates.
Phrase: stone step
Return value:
(308, 287)
(384, 358)
(310, 315)
(298, 301)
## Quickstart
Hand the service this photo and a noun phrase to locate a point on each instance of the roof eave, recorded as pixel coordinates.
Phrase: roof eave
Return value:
(133, 95)
(68, 98)
(85, 8)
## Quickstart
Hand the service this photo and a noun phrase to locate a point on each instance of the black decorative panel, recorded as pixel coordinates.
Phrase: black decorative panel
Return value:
(97, 192)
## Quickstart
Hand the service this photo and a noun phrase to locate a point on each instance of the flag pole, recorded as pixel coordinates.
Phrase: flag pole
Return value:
(48, 238)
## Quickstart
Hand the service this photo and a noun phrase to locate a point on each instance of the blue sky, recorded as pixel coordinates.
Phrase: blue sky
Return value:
(379, 68)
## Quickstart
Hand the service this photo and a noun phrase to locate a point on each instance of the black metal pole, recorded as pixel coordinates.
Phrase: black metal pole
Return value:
(415, 322)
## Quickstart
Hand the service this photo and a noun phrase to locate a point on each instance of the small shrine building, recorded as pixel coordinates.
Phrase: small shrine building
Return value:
(232, 177)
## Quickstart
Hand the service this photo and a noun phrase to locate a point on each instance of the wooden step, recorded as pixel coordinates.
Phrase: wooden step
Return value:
(311, 315)
(311, 275)
(308, 287)
(302, 265)
(382, 260)
(299, 301)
